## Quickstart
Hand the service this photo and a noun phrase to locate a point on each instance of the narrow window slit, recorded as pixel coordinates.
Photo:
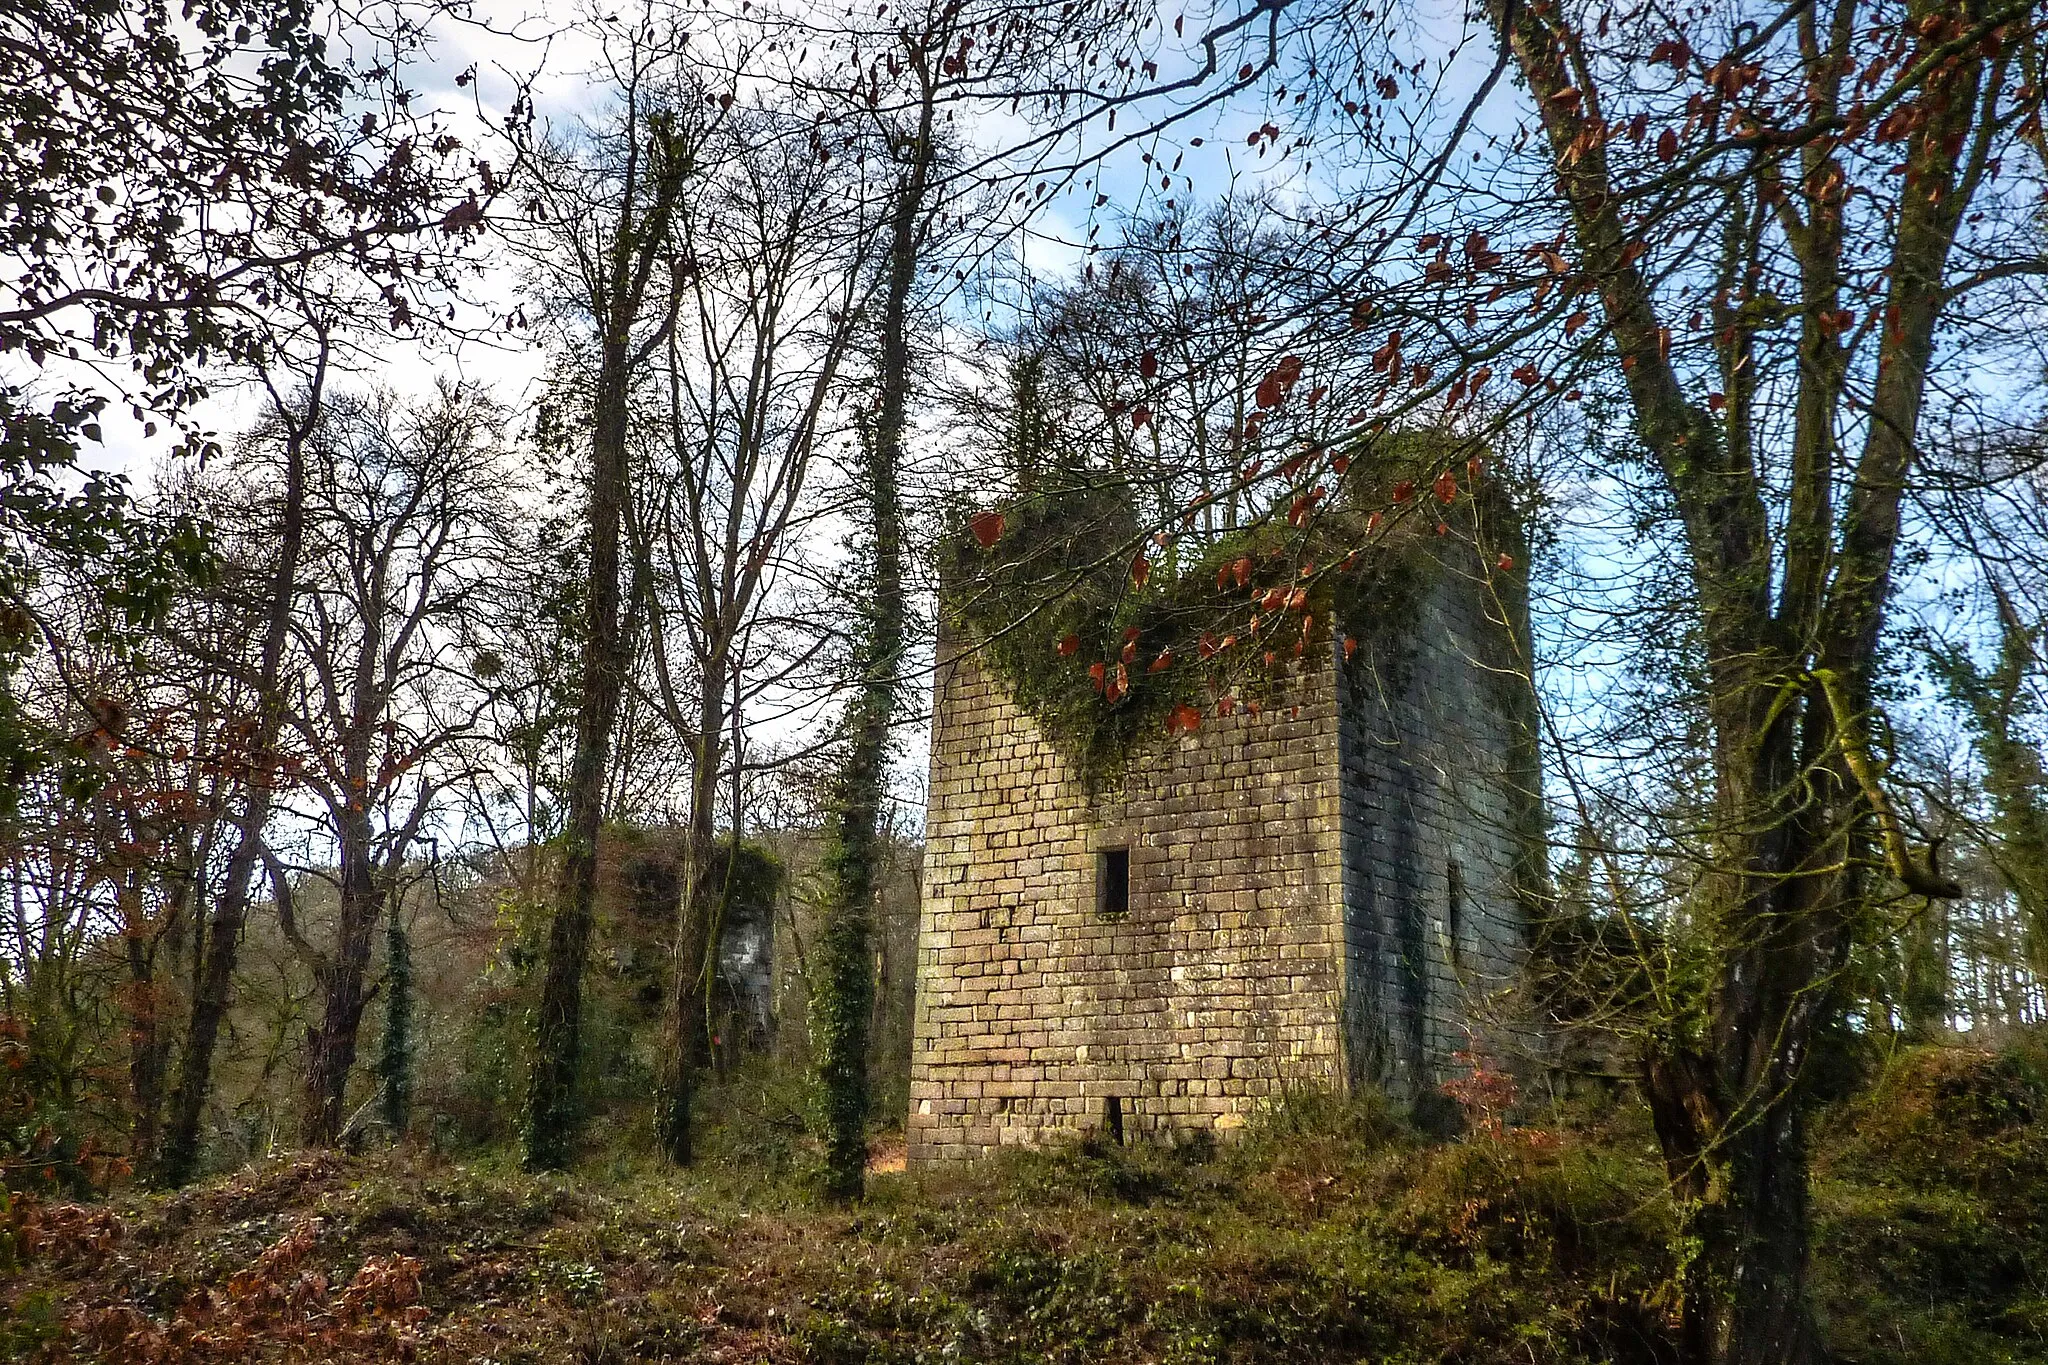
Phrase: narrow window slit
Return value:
(1113, 883)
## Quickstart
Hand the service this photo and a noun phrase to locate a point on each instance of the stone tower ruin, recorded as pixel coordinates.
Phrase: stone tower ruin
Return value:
(1324, 895)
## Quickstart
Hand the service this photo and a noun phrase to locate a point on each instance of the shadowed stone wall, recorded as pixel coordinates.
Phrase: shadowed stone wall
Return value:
(1442, 831)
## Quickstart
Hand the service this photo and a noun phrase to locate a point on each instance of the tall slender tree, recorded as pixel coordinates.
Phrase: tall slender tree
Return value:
(606, 200)
(218, 936)
(841, 1014)
(774, 259)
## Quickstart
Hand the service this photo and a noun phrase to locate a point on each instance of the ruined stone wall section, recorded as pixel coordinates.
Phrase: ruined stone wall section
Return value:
(1219, 989)
(1436, 811)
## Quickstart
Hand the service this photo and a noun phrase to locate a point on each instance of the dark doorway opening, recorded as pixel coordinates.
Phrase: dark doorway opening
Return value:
(1113, 1119)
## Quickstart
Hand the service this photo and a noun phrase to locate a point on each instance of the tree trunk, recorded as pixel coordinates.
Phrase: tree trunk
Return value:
(331, 1045)
(698, 923)
(841, 1015)
(551, 1116)
(1742, 1196)
(1798, 797)
(652, 179)
(147, 1045)
(394, 1062)
(214, 972)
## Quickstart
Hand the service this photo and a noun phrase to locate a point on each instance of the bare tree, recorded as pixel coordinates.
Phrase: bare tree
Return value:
(604, 208)
(772, 259)
(402, 521)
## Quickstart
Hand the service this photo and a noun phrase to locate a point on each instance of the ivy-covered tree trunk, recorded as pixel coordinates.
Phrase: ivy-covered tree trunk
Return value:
(1790, 583)
(655, 163)
(843, 1004)
(149, 1041)
(394, 1060)
(550, 1118)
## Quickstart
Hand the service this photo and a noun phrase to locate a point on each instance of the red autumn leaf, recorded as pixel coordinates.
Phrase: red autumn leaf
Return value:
(1442, 529)
(1189, 717)
(1340, 464)
(1069, 644)
(1241, 570)
(1372, 523)
(1223, 578)
(1505, 562)
(1271, 658)
(1252, 706)
(1473, 467)
(1164, 661)
(1667, 145)
(1130, 654)
(1717, 401)
(1225, 704)
(1350, 648)
(1140, 416)
(1130, 633)
(1528, 374)
(987, 528)
(1446, 486)
(1206, 646)
(1404, 490)
(1297, 600)
(1673, 50)
(1270, 392)
(1095, 673)
(1577, 320)
(1120, 684)
(1141, 569)
(1148, 365)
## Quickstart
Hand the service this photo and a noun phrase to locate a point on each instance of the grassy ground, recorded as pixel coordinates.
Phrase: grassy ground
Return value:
(1330, 1233)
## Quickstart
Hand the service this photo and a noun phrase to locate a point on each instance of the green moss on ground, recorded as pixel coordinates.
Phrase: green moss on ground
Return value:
(1931, 1210)
(1330, 1232)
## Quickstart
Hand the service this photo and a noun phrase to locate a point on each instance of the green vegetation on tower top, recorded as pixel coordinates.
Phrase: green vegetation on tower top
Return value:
(1109, 635)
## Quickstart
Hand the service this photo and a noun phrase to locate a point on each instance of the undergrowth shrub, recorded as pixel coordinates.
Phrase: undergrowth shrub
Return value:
(1931, 1202)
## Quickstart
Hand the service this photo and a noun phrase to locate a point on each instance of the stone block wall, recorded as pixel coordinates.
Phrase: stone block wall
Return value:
(1440, 800)
(1038, 1017)
(1328, 894)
